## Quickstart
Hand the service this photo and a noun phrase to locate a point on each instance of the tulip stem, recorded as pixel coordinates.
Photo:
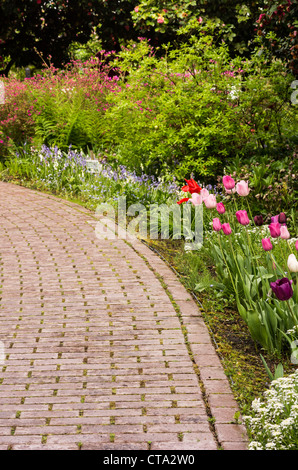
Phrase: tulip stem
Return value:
(226, 263)
(234, 254)
(292, 313)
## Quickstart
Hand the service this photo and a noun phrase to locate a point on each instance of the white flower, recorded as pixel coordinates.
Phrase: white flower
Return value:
(292, 263)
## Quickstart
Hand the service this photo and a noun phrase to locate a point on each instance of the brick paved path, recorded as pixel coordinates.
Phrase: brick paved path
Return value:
(98, 352)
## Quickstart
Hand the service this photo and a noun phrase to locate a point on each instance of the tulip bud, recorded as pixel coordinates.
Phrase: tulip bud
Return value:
(266, 244)
(282, 219)
(210, 201)
(204, 193)
(258, 219)
(282, 288)
(228, 182)
(242, 217)
(292, 263)
(284, 233)
(226, 229)
(216, 224)
(196, 199)
(220, 208)
(274, 230)
(242, 188)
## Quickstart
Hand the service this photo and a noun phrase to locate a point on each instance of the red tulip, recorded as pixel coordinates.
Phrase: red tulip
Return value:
(185, 199)
(191, 187)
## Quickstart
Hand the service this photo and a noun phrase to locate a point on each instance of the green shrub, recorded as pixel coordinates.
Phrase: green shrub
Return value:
(195, 109)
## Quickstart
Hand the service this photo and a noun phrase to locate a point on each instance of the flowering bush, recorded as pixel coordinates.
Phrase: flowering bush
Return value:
(57, 107)
(273, 423)
(195, 109)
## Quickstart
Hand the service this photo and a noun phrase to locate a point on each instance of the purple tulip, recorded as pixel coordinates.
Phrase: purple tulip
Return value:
(282, 218)
(274, 230)
(282, 288)
(258, 220)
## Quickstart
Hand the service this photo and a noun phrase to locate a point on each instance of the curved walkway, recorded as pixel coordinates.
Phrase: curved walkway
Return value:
(101, 346)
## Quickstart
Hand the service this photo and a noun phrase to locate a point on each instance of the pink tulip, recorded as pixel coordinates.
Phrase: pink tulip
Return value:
(210, 201)
(220, 208)
(296, 245)
(242, 188)
(284, 233)
(231, 191)
(228, 182)
(204, 193)
(226, 229)
(274, 230)
(216, 224)
(196, 199)
(242, 217)
(266, 243)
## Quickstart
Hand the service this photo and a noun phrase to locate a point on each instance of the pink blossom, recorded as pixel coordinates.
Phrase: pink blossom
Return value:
(216, 224)
(220, 208)
(242, 188)
(204, 193)
(274, 230)
(242, 217)
(196, 199)
(210, 201)
(284, 233)
(266, 243)
(228, 182)
(226, 229)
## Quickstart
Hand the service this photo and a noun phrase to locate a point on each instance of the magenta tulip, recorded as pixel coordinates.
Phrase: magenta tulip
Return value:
(228, 182)
(274, 230)
(296, 245)
(242, 188)
(266, 244)
(216, 224)
(242, 217)
(226, 229)
(220, 208)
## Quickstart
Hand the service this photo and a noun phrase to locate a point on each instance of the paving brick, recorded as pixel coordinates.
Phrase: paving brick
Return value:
(95, 356)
